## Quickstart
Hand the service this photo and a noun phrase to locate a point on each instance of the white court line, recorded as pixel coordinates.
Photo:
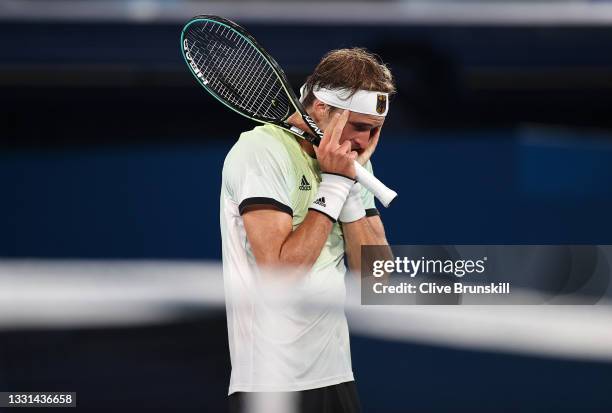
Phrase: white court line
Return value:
(73, 294)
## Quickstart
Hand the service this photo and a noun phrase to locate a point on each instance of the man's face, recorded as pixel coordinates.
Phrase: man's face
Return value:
(359, 130)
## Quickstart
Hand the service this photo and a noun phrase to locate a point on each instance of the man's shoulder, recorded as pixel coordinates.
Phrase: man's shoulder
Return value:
(258, 160)
(264, 137)
(264, 147)
(260, 141)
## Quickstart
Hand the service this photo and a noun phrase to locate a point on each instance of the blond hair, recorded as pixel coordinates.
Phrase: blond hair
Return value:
(352, 69)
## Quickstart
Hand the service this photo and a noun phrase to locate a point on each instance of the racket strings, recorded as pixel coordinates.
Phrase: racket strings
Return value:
(235, 71)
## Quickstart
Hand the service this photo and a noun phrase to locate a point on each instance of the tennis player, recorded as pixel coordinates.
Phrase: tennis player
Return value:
(295, 208)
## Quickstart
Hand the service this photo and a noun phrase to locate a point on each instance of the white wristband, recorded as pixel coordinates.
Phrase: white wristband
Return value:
(353, 208)
(331, 195)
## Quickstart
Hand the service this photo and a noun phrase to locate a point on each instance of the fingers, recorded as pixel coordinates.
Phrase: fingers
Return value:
(374, 140)
(369, 150)
(327, 135)
(339, 126)
(345, 148)
(332, 156)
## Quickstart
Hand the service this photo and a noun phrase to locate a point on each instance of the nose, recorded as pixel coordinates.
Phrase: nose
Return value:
(360, 140)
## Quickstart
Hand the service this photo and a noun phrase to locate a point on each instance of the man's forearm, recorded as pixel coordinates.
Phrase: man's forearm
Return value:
(358, 233)
(303, 246)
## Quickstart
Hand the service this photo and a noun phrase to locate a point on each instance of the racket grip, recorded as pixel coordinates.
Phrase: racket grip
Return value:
(384, 194)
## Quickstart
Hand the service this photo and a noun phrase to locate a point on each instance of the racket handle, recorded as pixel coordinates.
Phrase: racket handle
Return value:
(384, 194)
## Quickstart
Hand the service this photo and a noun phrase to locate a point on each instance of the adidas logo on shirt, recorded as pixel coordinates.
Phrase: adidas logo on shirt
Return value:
(305, 185)
(321, 201)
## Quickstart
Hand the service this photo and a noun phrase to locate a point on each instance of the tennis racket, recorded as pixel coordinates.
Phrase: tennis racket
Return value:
(230, 64)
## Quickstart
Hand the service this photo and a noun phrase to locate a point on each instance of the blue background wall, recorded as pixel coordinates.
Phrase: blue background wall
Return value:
(515, 186)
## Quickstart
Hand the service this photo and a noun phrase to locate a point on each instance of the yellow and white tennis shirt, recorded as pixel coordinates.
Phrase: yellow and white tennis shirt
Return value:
(294, 344)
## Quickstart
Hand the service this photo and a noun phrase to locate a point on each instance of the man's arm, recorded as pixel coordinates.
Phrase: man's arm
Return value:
(365, 231)
(275, 244)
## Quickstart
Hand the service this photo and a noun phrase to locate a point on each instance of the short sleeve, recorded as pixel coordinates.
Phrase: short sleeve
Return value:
(367, 197)
(257, 171)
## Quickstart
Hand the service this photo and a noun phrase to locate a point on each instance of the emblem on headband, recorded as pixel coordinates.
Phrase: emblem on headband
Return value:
(381, 104)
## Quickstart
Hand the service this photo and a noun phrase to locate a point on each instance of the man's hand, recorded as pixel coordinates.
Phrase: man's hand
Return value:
(364, 157)
(335, 158)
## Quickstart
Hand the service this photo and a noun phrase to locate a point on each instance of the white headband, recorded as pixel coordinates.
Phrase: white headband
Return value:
(362, 101)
